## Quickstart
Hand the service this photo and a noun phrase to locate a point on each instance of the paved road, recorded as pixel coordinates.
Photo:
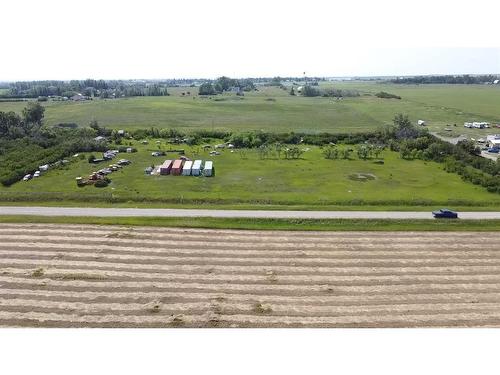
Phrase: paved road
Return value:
(167, 212)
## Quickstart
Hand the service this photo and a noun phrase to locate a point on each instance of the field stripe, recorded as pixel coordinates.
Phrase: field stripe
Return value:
(107, 276)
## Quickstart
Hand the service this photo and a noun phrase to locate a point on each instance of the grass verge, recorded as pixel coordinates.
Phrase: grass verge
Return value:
(270, 224)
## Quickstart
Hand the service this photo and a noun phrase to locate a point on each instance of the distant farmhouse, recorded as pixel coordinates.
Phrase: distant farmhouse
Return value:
(78, 97)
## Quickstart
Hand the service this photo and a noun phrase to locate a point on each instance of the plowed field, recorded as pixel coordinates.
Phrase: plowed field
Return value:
(109, 276)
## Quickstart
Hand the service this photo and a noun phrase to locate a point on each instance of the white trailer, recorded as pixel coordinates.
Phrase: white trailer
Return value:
(186, 170)
(196, 170)
(208, 169)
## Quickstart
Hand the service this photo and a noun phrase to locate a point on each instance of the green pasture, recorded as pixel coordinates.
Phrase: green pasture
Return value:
(268, 224)
(273, 109)
(243, 178)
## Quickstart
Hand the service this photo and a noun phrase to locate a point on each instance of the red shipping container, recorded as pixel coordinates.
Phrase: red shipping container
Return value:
(177, 167)
(166, 167)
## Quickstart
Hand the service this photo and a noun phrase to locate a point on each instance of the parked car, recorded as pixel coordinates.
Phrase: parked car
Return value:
(27, 177)
(445, 213)
(494, 150)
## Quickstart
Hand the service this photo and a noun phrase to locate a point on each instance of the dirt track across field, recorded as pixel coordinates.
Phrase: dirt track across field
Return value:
(109, 276)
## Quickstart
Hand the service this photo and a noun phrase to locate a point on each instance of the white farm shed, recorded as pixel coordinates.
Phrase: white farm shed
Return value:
(208, 170)
(421, 122)
(196, 170)
(186, 170)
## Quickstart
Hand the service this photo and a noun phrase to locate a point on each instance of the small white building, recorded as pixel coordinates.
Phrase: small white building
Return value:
(78, 97)
(208, 169)
(421, 122)
(186, 169)
(196, 170)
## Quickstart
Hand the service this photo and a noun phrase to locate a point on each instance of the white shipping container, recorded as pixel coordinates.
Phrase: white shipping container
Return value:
(208, 169)
(186, 170)
(196, 170)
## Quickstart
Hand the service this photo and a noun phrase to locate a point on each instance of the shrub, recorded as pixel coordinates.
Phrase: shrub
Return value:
(102, 183)
(386, 95)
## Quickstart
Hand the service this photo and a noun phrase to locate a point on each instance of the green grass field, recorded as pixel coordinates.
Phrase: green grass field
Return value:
(273, 109)
(245, 179)
(270, 224)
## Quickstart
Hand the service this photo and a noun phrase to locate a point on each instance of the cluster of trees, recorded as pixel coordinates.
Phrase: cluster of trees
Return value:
(278, 150)
(450, 79)
(223, 84)
(25, 144)
(89, 87)
(364, 151)
(13, 126)
(386, 95)
(463, 158)
(311, 91)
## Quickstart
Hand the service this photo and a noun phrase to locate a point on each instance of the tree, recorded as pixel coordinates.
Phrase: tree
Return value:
(33, 113)
(206, 89)
(345, 153)
(308, 90)
(10, 125)
(469, 146)
(363, 152)
(331, 152)
(377, 150)
(405, 129)
(405, 152)
(224, 83)
(278, 147)
(293, 152)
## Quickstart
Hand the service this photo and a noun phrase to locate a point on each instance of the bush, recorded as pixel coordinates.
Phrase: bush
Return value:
(386, 95)
(102, 183)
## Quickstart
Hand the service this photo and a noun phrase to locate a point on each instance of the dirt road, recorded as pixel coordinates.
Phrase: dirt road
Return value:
(107, 276)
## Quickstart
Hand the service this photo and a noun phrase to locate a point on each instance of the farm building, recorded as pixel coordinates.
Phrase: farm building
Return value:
(177, 167)
(166, 167)
(78, 97)
(196, 170)
(186, 170)
(421, 122)
(208, 170)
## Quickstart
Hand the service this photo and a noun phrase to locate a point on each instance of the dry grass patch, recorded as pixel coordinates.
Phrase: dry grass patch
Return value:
(39, 272)
(260, 308)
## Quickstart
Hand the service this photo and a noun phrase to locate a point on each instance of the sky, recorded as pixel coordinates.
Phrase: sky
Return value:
(108, 39)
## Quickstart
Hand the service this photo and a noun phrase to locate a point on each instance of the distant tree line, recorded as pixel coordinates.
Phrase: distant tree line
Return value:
(449, 79)
(223, 84)
(89, 87)
(311, 91)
